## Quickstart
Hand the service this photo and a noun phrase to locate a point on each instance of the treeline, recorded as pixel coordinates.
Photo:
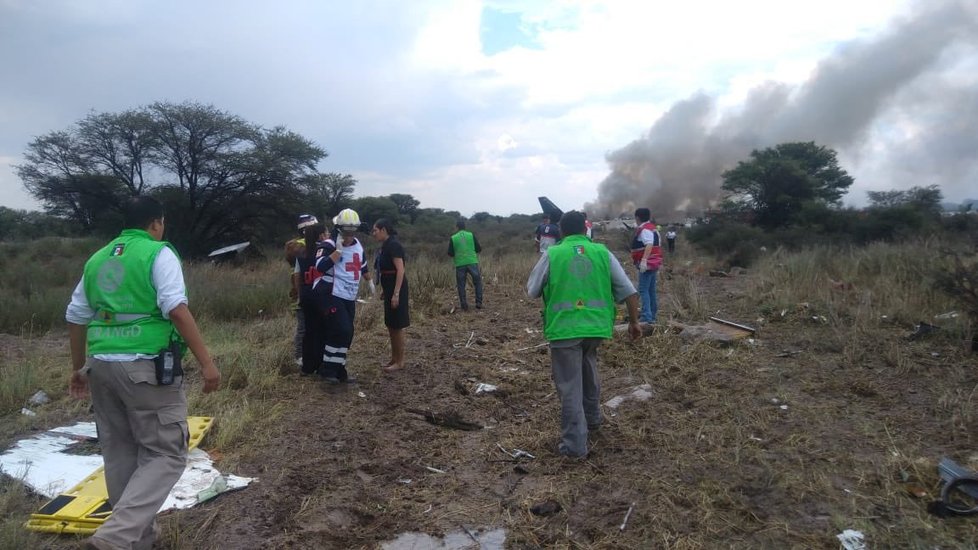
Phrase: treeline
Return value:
(789, 196)
(222, 179)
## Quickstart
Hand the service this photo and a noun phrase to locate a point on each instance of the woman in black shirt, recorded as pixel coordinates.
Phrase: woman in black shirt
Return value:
(389, 266)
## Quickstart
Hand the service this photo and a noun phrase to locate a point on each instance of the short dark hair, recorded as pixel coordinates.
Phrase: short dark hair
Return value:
(643, 214)
(460, 224)
(572, 223)
(141, 211)
(386, 225)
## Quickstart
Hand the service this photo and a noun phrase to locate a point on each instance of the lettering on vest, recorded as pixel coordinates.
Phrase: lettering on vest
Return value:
(132, 331)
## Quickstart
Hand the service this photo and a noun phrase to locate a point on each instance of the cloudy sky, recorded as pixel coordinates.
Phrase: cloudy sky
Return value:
(483, 105)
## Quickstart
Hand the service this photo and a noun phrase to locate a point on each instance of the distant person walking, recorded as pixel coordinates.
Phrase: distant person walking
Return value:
(580, 282)
(647, 256)
(390, 267)
(128, 327)
(546, 235)
(671, 239)
(293, 249)
(464, 249)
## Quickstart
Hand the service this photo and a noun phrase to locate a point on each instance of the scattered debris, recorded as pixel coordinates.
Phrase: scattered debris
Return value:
(789, 353)
(947, 316)
(532, 330)
(546, 508)
(638, 393)
(718, 273)
(922, 329)
(228, 252)
(485, 539)
(534, 347)
(27, 412)
(361, 394)
(405, 481)
(624, 522)
(515, 453)
(435, 470)
(820, 319)
(485, 388)
(916, 490)
(851, 540)
(958, 482)
(716, 330)
(737, 271)
(448, 420)
(39, 398)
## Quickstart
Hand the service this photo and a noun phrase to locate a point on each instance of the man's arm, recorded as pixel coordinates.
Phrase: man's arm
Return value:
(78, 386)
(185, 324)
(451, 248)
(634, 330)
(538, 277)
(475, 241)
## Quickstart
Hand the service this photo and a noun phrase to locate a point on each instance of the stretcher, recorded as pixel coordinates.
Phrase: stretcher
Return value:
(83, 508)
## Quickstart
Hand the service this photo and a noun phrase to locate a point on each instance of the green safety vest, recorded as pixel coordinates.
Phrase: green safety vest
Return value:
(119, 287)
(578, 298)
(463, 244)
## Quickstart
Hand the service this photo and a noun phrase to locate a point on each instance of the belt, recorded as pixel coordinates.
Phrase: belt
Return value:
(391, 272)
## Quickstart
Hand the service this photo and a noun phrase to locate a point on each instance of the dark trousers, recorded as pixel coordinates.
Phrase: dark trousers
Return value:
(314, 338)
(460, 274)
(339, 335)
(672, 244)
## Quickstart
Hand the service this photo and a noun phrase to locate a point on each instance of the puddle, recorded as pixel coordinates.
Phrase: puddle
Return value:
(456, 540)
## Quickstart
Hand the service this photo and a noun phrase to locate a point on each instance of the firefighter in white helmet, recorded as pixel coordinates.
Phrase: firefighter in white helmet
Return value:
(341, 261)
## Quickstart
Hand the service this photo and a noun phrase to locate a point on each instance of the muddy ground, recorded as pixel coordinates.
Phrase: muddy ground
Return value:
(782, 442)
(779, 443)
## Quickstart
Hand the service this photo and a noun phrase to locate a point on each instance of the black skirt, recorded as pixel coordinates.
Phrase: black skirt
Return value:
(400, 317)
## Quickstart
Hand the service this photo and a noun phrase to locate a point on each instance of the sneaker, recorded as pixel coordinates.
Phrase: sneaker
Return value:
(478, 306)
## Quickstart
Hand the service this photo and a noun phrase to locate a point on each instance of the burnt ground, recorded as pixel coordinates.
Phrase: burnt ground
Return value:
(779, 443)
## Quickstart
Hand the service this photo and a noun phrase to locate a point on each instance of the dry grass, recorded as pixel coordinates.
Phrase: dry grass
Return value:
(713, 460)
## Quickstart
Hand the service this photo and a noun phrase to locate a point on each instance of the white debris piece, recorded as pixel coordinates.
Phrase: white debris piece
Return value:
(638, 393)
(851, 540)
(485, 388)
(39, 398)
(42, 463)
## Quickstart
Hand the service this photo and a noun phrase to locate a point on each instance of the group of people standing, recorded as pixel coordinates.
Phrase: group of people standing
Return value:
(327, 269)
(129, 325)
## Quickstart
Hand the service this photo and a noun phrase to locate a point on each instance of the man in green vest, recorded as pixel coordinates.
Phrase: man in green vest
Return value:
(464, 248)
(128, 324)
(580, 282)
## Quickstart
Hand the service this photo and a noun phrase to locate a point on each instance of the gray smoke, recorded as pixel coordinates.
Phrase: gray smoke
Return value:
(919, 75)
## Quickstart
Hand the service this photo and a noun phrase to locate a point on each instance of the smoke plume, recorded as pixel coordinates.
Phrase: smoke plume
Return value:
(904, 104)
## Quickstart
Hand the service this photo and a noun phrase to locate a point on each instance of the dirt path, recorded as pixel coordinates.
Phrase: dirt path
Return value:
(779, 444)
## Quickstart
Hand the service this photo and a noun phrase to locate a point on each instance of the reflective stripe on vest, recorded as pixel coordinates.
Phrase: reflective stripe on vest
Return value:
(119, 288)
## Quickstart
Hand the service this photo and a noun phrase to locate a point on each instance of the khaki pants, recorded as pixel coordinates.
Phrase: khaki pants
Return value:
(142, 429)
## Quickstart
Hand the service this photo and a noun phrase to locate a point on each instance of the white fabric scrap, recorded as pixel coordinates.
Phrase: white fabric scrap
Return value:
(42, 464)
(638, 393)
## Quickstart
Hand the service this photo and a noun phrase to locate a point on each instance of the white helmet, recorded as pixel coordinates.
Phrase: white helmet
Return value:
(347, 220)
